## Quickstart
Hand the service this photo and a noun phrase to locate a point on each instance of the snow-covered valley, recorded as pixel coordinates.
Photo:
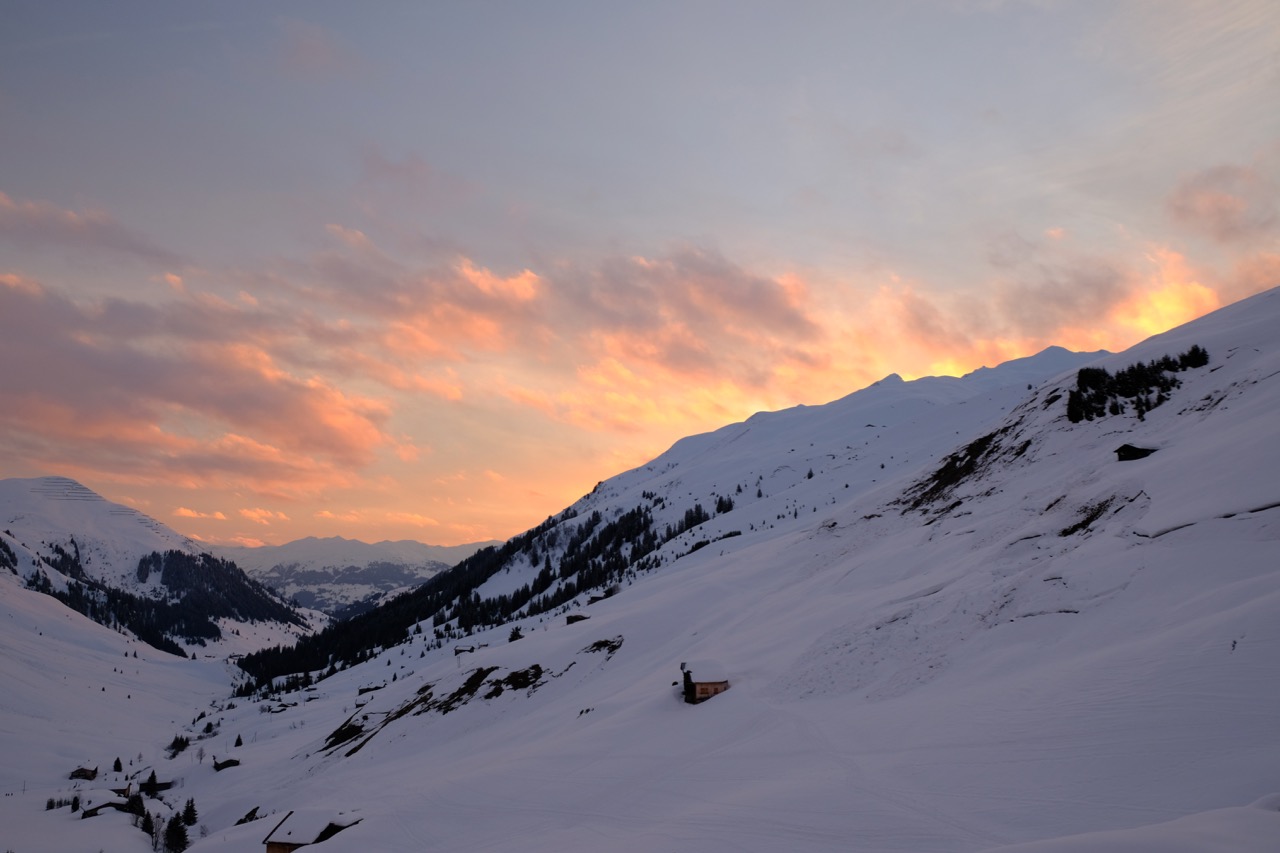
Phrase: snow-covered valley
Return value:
(951, 618)
(335, 574)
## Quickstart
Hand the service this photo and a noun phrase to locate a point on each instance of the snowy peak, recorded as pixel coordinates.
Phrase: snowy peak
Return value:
(864, 439)
(1168, 431)
(44, 512)
(1033, 369)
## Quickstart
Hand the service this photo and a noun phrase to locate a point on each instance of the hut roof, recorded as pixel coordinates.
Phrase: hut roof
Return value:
(707, 670)
(308, 826)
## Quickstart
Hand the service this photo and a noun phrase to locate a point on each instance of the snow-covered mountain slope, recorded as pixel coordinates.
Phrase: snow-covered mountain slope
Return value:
(77, 694)
(752, 480)
(44, 512)
(125, 569)
(1004, 635)
(336, 574)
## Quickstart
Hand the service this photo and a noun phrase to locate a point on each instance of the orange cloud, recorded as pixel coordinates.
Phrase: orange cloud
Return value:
(406, 451)
(521, 287)
(1171, 297)
(263, 516)
(352, 237)
(18, 283)
(351, 516)
(412, 339)
(412, 518)
(183, 512)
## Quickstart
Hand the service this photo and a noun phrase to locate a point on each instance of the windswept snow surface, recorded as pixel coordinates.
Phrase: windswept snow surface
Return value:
(1002, 664)
(1248, 829)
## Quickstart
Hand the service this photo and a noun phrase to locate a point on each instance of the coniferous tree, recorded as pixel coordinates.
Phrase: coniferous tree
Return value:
(189, 816)
(175, 835)
(117, 767)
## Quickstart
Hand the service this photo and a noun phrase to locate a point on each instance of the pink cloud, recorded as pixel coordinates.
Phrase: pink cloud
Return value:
(41, 223)
(311, 52)
(188, 390)
(411, 176)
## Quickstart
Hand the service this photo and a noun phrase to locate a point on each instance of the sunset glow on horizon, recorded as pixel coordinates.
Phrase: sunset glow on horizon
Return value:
(432, 271)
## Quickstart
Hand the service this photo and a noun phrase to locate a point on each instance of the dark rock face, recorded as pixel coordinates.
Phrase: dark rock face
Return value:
(1127, 452)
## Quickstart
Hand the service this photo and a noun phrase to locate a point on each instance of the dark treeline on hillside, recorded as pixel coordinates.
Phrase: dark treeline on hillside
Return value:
(590, 555)
(202, 589)
(1145, 386)
(353, 640)
(8, 559)
(153, 622)
(216, 587)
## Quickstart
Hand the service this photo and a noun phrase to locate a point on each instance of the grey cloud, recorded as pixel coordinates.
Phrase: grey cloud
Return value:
(41, 223)
(1077, 292)
(1230, 204)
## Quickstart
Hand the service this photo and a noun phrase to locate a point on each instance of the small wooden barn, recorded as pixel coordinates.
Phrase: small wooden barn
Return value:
(307, 826)
(702, 680)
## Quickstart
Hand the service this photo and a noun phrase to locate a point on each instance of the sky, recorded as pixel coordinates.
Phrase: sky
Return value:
(432, 270)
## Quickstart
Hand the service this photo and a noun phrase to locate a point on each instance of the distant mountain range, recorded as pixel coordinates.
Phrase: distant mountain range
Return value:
(343, 577)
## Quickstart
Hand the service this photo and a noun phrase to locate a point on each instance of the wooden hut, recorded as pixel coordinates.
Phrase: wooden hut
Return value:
(702, 680)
